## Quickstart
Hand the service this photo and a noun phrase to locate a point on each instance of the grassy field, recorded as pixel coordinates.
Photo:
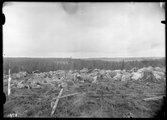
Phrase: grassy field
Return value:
(107, 98)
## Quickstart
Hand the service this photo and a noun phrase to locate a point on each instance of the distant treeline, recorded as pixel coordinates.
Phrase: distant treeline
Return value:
(53, 64)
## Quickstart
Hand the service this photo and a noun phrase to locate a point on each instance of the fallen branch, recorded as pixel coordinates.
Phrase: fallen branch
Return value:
(20, 82)
(66, 96)
(153, 98)
(57, 100)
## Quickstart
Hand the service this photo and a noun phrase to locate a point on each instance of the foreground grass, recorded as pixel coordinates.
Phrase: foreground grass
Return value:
(108, 98)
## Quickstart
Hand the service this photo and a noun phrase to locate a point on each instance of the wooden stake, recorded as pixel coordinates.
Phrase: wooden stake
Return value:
(9, 80)
(57, 100)
(153, 98)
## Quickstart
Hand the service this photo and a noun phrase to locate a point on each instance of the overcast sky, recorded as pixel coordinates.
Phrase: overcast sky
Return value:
(83, 30)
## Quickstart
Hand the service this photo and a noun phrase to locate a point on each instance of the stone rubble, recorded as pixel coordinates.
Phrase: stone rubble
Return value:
(87, 75)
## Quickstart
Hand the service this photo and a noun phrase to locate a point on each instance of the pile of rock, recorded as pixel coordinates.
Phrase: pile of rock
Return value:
(19, 75)
(93, 76)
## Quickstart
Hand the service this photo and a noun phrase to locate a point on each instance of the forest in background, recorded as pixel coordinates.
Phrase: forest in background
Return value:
(52, 64)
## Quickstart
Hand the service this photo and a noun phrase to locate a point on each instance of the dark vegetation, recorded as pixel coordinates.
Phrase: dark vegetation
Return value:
(52, 64)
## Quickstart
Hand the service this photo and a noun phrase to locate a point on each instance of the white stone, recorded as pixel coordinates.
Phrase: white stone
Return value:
(126, 77)
(136, 75)
(118, 76)
(158, 75)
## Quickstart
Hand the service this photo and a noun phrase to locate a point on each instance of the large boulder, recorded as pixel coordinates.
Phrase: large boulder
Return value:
(118, 71)
(84, 70)
(108, 71)
(37, 77)
(94, 73)
(34, 84)
(158, 69)
(60, 73)
(118, 76)
(88, 78)
(77, 77)
(126, 77)
(56, 81)
(14, 82)
(24, 73)
(124, 71)
(96, 70)
(70, 71)
(51, 73)
(112, 74)
(63, 85)
(94, 79)
(102, 72)
(69, 76)
(18, 76)
(107, 75)
(90, 71)
(20, 85)
(42, 75)
(148, 76)
(136, 75)
(141, 70)
(91, 74)
(158, 75)
(150, 68)
(164, 69)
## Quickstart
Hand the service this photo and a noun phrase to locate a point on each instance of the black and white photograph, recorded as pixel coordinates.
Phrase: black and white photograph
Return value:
(84, 59)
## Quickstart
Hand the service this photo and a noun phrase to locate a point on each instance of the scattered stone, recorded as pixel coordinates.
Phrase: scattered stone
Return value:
(60, 76)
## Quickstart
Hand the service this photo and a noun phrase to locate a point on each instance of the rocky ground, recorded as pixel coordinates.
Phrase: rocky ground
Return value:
(136, 93)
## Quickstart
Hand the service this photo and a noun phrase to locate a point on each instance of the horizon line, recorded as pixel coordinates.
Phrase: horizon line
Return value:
(85, 57)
